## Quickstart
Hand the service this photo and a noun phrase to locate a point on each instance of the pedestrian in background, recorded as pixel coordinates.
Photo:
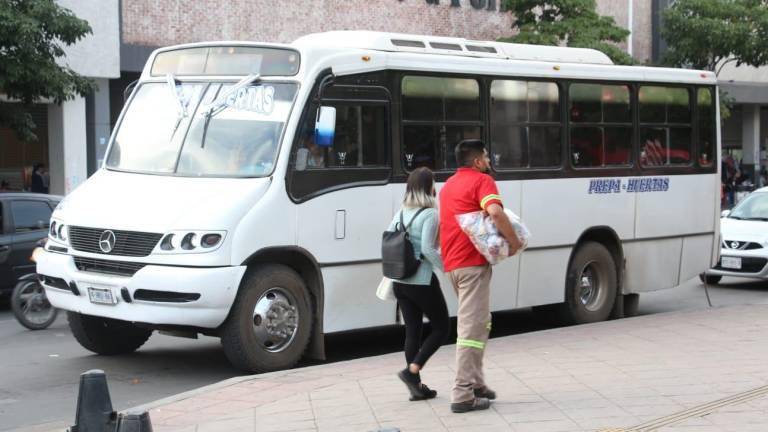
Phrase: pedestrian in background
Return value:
(471, 189)
(38, 180)
(420, 294)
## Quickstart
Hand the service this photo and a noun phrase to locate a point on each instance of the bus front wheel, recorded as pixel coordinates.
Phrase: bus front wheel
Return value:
(270, 323)
(591, 285)
(106, 336)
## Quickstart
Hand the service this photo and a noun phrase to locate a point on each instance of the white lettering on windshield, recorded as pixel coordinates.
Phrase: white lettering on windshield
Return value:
(260, 99)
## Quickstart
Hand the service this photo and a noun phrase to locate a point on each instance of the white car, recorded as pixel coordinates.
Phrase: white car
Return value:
(744, 230)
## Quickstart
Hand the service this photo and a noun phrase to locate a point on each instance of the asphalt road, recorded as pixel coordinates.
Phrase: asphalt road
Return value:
(39, 371)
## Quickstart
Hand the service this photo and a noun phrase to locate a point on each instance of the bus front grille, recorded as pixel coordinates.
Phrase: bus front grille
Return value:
(119, 268)
(126, 243)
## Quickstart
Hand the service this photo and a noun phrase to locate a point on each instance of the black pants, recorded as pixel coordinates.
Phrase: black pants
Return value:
(416, 301)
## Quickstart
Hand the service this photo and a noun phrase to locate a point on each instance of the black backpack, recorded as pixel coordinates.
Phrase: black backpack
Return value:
(397, 256)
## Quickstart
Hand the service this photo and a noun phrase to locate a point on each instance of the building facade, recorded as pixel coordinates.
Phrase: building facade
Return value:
(75, 134)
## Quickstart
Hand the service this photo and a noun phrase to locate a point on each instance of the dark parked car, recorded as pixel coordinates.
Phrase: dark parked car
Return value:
(24, 219)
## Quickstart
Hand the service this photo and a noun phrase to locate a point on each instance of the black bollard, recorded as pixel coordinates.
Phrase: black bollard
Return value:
(94, 406)
(134, 422)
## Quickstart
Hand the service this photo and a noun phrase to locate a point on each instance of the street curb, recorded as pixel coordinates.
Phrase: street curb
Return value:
(239, 379)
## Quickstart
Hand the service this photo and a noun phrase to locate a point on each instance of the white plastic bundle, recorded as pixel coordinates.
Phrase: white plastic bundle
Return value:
(486, 238)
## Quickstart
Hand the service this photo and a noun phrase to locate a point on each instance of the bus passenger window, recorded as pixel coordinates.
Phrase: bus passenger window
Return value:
(665, 126)
(525, 124)
(706, 124)
(437, 113)
(601, 125)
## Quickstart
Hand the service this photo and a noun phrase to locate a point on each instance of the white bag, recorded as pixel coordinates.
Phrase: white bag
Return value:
(481, 230)
(384, 291)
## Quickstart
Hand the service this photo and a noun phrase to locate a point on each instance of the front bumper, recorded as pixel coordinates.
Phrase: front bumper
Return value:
(754, 264)
(216, 286)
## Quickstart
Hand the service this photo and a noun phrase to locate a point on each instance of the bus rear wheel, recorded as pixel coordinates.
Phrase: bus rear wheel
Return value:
(270, 323)
(591, 285)
(106, 336)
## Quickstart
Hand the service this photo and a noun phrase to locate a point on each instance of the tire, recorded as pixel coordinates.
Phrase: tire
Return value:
(106, 336)
(270, 296)
(592, 299)
(709, 279)
(31, 307)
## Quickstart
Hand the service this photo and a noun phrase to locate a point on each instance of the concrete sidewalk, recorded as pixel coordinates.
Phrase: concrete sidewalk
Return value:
(684, 371)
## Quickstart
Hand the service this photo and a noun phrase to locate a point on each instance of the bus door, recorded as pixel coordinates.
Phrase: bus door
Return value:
(344, 201)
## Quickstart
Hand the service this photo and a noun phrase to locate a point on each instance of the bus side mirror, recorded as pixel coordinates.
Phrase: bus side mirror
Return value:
(325, 126)
(725, 213)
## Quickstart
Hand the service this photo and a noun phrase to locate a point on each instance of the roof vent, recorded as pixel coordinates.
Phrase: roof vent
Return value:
(445, 46)
(481, 49)
(408, 43)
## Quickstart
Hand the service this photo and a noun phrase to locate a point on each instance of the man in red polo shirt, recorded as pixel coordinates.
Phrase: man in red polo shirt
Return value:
(471, 189)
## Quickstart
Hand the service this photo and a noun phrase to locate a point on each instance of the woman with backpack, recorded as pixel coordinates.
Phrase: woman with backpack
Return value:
(419, 294)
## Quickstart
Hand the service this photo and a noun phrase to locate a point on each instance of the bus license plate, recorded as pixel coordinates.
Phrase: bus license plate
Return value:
(731, 263)
(101, 296)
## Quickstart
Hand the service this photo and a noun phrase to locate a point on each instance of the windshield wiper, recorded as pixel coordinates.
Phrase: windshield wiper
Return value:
(180, 108)
(756, 219)
(223, 102)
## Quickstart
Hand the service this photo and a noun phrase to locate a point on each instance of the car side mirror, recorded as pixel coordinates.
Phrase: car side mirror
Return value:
(725, 213)
(325, 126)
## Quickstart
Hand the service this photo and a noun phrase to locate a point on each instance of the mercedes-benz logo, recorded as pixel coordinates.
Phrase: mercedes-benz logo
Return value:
(734, 245)
(107, 241)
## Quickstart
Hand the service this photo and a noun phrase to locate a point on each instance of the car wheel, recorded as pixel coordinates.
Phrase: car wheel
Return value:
(710, 279)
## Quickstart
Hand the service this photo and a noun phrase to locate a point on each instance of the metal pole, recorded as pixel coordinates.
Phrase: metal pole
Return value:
(630, 22)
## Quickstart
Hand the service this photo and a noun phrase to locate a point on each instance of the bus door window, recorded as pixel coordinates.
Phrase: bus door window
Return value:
(437, 113)
(601, 125)
(665, 126)
(359, 151)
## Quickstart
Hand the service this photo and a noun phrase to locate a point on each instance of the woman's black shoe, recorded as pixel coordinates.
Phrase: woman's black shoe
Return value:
(427, 393)
(413, 382)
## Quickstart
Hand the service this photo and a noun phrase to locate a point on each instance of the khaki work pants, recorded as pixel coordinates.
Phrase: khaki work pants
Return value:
(473, 288)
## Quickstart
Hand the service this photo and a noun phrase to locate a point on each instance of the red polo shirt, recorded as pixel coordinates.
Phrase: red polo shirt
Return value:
(466, 191)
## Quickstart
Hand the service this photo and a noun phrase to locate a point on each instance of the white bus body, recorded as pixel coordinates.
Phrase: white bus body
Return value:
(298, 248)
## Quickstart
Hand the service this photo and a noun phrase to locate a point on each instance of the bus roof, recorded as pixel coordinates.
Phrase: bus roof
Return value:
(399, 42)
(458, 55)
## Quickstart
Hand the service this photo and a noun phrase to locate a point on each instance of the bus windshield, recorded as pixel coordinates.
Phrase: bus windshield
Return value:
(203, 129)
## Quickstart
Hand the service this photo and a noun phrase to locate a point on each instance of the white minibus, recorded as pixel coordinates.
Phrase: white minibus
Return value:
(246, 186)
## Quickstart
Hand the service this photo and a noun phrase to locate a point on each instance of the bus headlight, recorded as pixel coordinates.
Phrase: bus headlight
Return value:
(63, 232)
(182, 241)
(58, 232)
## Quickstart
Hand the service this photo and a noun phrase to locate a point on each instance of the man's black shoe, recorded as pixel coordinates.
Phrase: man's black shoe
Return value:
(485, 392)
(475, 404)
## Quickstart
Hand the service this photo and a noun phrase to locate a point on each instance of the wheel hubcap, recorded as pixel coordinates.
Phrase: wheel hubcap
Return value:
(591, 292)
(275, 319)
